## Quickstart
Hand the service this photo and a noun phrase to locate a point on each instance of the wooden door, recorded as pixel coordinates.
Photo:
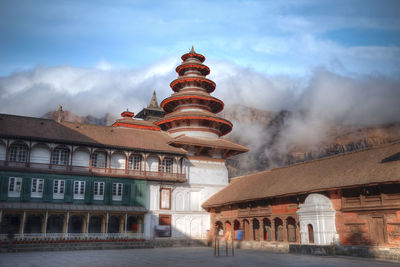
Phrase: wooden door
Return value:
(377, 230)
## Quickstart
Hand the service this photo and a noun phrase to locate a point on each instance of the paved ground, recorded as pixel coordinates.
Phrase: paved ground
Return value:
(203, 257)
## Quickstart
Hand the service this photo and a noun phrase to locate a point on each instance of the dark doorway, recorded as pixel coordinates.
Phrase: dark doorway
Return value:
(291, 229)
(75, 225)
(95, 224)
(267, 230)
(33, 224)
(10, 223)
(55, 224)
(113, 225)
(256, 230)
(278, 230)
(310, 234)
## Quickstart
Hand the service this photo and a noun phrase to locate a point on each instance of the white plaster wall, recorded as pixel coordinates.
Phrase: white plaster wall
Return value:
(152, 164)
(317, 210)
(118, 161)
(2, 152)
(81, 158)
(207, 172)
(40, 154)
(196, 134)
(188, 219)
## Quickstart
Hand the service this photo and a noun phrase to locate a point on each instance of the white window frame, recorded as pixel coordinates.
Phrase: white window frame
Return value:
(134, 162)
(117, 191)
(60, 156)
(167, 165)
(18, 153)
(99, 163)
(165, 198)
(79, 189)
(37, 186)
(98, 191)
(58, 189)
(14, 186)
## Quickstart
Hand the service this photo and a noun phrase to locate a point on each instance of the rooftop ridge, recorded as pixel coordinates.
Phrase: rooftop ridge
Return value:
(319, 159)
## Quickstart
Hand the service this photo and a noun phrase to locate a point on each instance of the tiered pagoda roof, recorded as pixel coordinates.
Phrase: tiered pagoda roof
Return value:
(191, 112)
(191, 109)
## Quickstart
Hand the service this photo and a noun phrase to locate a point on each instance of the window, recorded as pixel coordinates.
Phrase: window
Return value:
(37, 187)
(117, 191)
(14, 186)
(166, 165)
(60, 156)
(98, 191)
(58, 189)
(79, 190)
(165, 198)
(18, 153)
(134, 162)
(99, 160)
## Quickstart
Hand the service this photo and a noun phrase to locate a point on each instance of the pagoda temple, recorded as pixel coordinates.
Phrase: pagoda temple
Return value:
(191, 112)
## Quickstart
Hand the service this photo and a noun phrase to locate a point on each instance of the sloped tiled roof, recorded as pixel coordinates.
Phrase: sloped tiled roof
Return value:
(29, 128)
(375, 165)
(217, 143)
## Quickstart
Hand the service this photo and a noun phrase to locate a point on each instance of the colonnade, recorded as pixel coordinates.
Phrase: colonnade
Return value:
(39, 222)
(274, 229)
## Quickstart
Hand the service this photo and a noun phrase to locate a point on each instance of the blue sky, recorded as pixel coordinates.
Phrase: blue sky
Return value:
(272, 37)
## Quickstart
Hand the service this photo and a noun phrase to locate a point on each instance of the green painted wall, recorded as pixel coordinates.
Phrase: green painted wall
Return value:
(134, 191)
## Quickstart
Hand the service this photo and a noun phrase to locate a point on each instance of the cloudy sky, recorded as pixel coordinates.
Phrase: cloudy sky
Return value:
(103, 56)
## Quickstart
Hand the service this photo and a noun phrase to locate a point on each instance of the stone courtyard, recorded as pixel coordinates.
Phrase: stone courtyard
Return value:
(193, 256)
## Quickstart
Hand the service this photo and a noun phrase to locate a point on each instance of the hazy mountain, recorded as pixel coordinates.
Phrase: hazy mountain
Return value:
(265, 133)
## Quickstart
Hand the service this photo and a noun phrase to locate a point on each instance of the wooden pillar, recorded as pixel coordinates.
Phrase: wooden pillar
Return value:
(298, 237)
(121, 224)
(21, 227)
(273, 236)
(90, 159)
(285, 232)
(261, 230)
(67, 223)
(84, 224)
(107, 224)
(87, 222)
(126, 162)
(103, 224)
(126, 221)
(44, 227)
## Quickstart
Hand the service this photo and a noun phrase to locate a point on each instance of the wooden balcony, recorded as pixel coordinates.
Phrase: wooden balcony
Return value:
(85, 170)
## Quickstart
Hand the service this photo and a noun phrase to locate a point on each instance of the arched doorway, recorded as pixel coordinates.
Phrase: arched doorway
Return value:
(246, 230)
(256, 230)
(267, 230)
(236, 227)
(310, 234)
(95, 224)
(219, 228)
(291, 229)
(33, 224)
(278, 230)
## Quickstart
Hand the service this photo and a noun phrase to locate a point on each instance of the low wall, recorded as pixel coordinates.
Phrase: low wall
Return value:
(169, 242)
(386, 253)
(79, 245)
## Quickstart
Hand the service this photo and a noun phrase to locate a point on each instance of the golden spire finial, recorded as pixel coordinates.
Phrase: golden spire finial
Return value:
(192, 50)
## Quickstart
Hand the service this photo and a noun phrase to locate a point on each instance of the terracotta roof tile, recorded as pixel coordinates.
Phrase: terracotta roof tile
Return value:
(217, 143)
(29, 128)
(345, 170)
